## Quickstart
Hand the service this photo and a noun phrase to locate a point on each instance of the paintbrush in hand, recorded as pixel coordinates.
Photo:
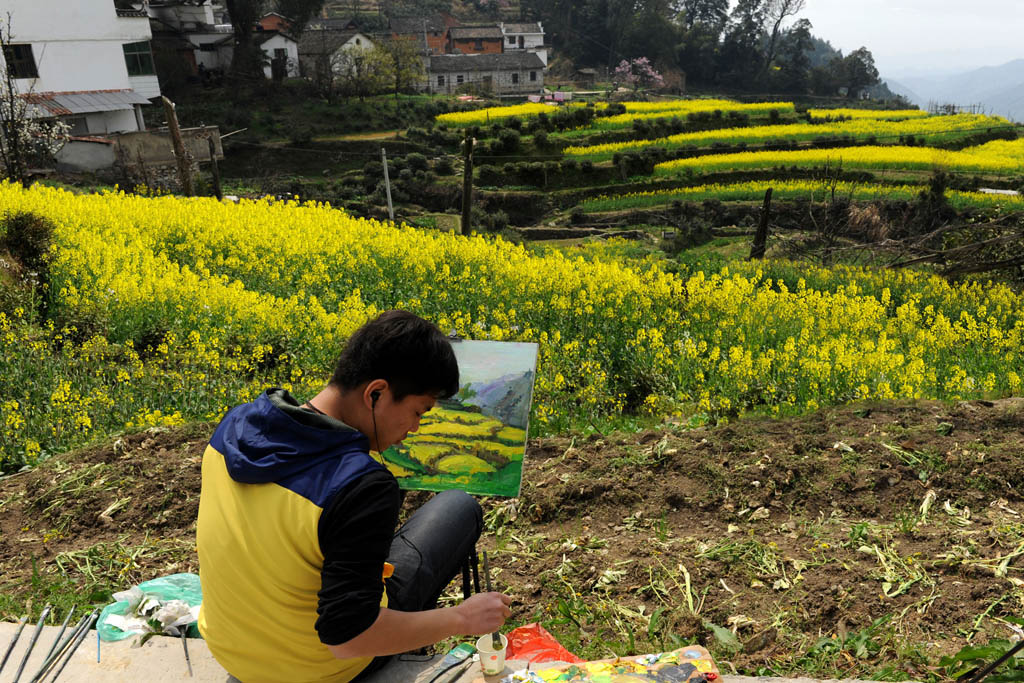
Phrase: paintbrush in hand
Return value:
(496, 636)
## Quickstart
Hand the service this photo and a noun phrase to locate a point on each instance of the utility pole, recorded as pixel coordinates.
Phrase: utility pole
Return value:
(759, 247)
(467, 186)
(184, 162)
(387, 183)
(216, 169)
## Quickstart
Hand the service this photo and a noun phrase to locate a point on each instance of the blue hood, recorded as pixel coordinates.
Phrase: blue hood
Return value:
(261, 443)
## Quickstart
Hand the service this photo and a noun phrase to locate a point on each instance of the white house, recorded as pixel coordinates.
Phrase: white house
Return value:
(200, 23)
(278, 47)
(320, 49)
(525, 38)
(84, 62)
(515, 73)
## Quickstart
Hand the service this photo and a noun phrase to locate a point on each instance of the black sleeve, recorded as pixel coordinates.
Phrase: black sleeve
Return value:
(355, 532)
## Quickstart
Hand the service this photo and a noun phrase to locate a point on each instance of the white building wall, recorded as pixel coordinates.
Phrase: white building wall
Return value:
(184, 15)
(147, 86)
(105, 122)
(290, 47)
(77, 46)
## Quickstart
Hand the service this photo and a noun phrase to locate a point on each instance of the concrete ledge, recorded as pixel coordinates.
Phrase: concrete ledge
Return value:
(163, 659)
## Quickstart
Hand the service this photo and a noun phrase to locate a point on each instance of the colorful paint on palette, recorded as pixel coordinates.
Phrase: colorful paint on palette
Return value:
(691, 664)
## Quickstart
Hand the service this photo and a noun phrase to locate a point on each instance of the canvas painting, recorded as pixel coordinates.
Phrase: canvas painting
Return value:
(476, 440)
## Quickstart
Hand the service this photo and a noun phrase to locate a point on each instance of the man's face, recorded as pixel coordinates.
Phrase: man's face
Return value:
(396, 419)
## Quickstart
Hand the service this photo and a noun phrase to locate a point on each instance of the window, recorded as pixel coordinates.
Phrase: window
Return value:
(359, 41)
(459, 79)
(20, 61)
(511, 40)
(280, 53)
(440, 80)
(515, 78)
(139, 59)
(77, 125)
(478, 44)
(533, 76)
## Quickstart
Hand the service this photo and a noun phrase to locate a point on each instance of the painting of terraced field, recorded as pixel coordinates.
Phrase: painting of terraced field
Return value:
(476, 440)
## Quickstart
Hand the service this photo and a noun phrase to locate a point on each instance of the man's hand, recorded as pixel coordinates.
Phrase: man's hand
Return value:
(395, 632)
(484, 613)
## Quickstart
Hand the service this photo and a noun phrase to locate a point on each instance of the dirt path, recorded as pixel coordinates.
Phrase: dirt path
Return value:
(863, 541)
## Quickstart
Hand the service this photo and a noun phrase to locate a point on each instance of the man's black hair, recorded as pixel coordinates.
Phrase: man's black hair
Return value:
(410, 353)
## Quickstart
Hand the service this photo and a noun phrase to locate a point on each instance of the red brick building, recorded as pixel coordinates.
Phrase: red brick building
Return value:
(475, 40)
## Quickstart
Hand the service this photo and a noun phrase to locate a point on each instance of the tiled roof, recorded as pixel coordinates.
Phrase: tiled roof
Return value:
(522, 28)
(417, 24)
(83, 101)
(315, 42)
(510, 61)
(260, 37)
(475, 32)
(344, 24)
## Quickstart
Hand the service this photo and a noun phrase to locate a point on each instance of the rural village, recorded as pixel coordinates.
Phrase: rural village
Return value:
(735, 319)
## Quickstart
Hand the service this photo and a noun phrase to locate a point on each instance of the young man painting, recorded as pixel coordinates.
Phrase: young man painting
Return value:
(304, 576)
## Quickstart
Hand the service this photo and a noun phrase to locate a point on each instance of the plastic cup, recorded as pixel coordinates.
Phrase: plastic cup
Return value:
(492, 661)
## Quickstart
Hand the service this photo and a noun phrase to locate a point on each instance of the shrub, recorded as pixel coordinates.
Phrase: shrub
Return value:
(300, 135)
(509, 141)
(416, 161)
(489, 175)
(444, 166)
(27, 237)
(540, 139)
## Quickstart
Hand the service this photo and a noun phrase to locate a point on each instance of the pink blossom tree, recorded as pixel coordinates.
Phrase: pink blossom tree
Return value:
(639, 73)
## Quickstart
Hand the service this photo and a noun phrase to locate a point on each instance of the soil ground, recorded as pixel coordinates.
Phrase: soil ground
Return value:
(863, 541)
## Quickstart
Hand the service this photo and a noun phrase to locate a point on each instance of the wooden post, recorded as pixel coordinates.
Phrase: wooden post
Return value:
(761, 238)
(387, 184)
(467, 187)
(215, 168)
(184, 163)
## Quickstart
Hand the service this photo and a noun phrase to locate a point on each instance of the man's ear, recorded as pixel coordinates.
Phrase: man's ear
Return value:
(373, 391)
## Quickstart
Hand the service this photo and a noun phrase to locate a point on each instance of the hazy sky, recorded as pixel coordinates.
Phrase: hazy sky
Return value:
(919, 37)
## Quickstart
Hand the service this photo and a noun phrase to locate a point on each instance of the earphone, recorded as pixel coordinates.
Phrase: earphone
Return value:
(374, 397)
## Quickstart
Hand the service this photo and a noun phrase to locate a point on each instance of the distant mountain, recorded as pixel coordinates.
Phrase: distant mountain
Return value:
(998, 89)
(506, 398)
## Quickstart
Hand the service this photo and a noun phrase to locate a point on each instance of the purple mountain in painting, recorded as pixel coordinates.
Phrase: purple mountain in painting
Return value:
(506, 398)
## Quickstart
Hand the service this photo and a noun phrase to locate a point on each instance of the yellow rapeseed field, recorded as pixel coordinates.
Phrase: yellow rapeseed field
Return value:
(936, 129)
(877, 114)
(480, 117)
(231, 296)
(999, 157)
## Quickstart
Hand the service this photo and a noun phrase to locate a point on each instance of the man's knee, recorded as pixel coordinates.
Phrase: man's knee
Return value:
(461, 506)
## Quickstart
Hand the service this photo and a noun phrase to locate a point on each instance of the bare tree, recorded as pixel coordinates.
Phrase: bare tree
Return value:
(776, 12)
(27, 133)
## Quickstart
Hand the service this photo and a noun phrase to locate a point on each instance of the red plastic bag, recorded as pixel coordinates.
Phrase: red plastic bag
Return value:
(533, 643)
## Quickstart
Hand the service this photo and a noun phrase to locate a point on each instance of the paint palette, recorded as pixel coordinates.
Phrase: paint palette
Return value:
(690, 664)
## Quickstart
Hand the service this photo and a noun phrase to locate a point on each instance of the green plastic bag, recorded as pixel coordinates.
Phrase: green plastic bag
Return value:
(183, 587)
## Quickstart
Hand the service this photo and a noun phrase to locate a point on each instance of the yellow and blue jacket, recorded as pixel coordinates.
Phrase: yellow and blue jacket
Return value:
(267, 476)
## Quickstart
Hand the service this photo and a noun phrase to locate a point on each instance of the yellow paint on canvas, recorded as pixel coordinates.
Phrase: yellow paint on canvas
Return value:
(464, 464)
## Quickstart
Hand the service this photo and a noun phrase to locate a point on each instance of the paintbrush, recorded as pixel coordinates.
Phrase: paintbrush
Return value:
(184, 644)
(60, 634)
(32, 643)
(74, 645)
(14, 640)
(58, 652)
(496, 636)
